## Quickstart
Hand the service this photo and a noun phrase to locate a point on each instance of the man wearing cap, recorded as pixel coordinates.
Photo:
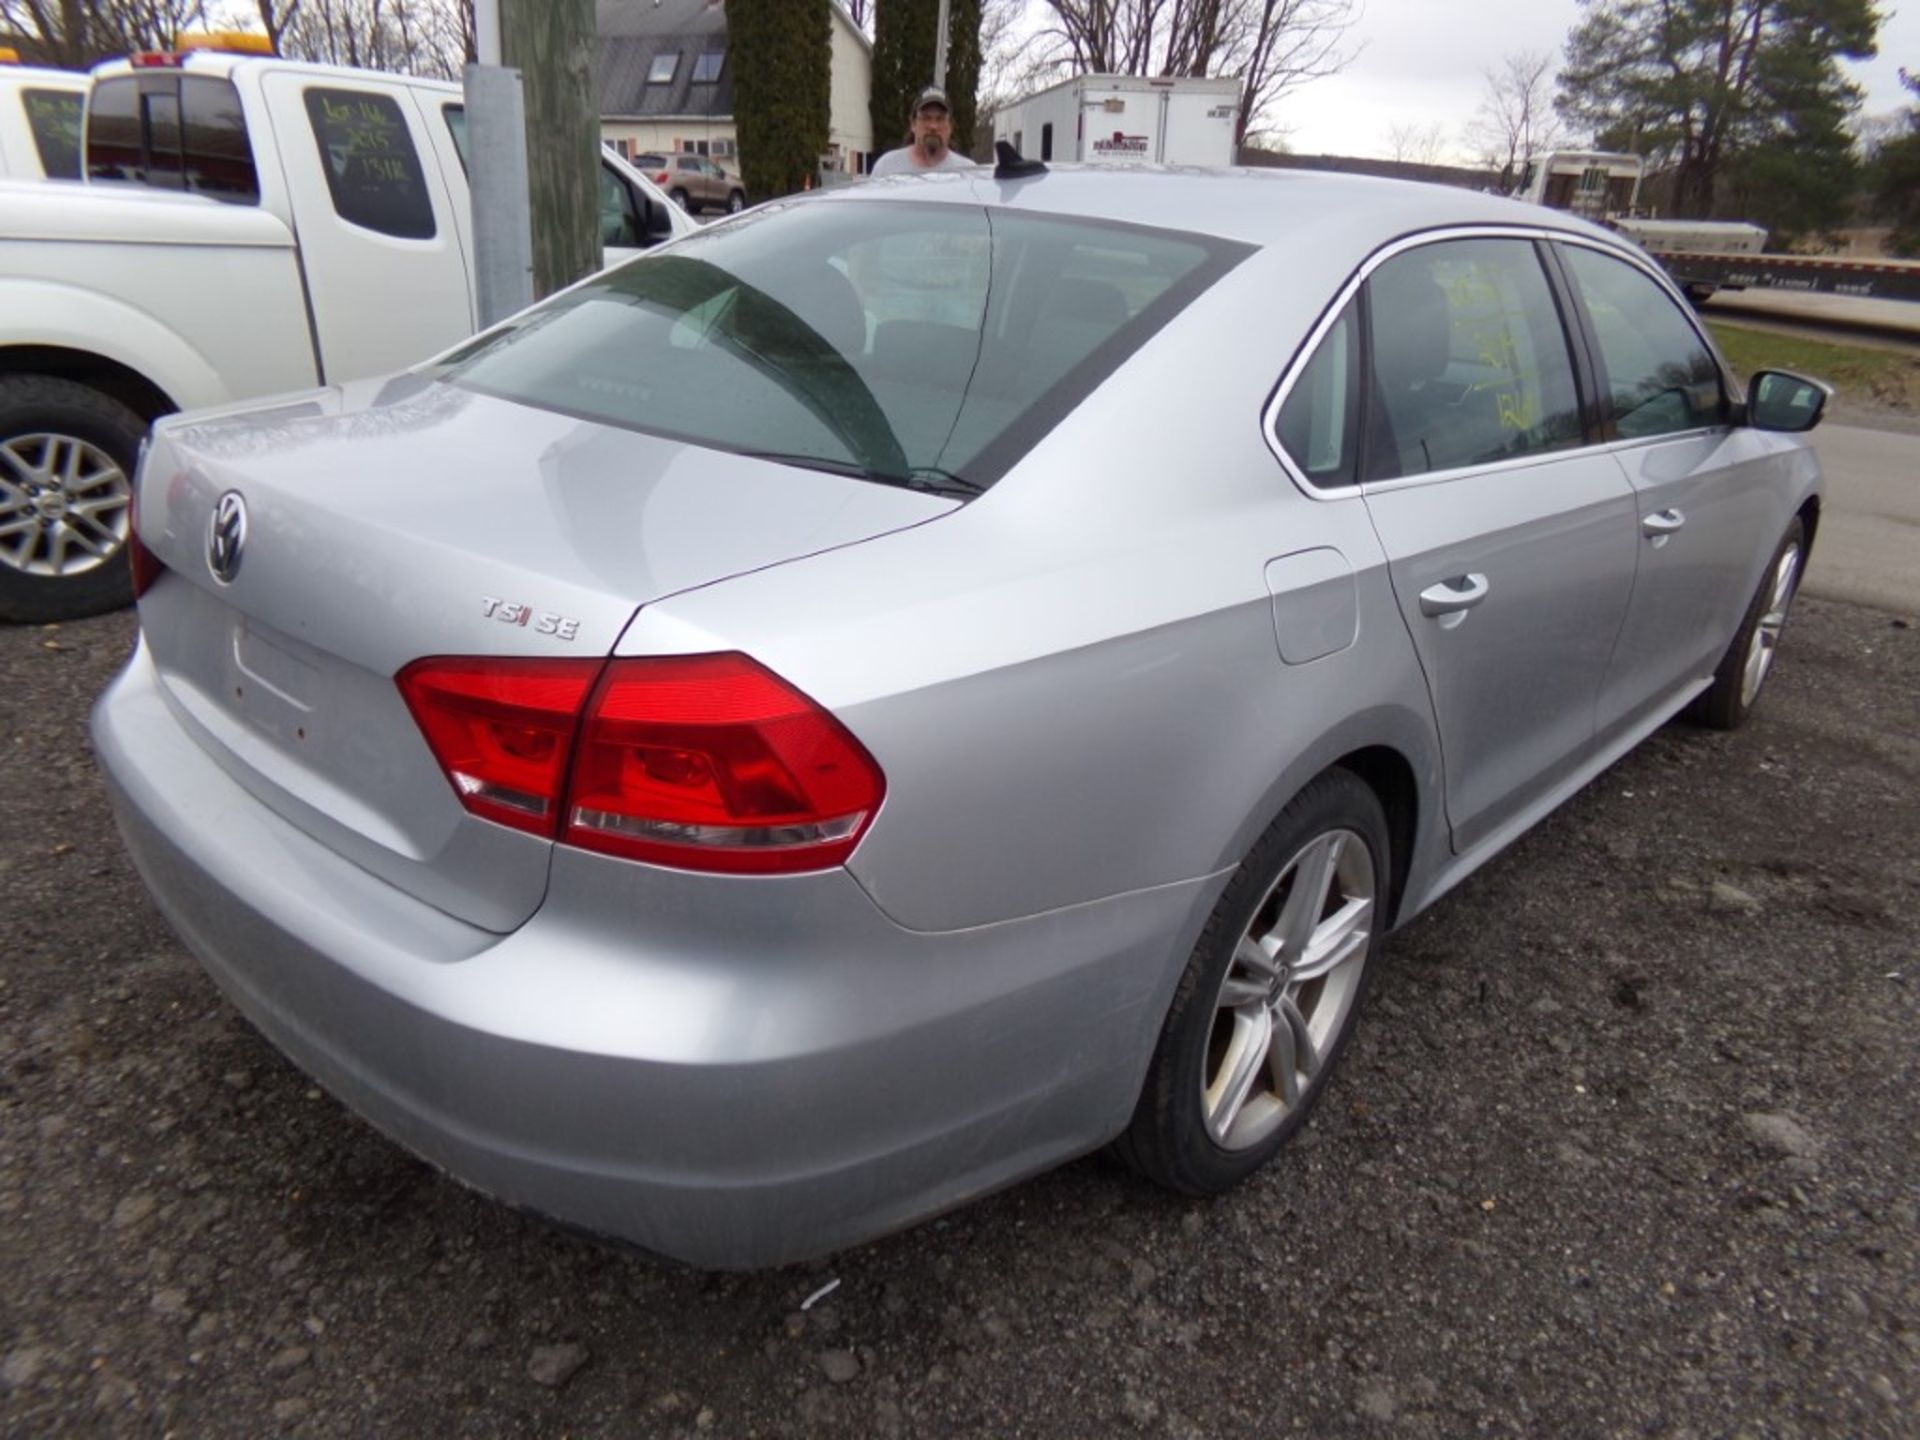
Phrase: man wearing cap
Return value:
(932, 144)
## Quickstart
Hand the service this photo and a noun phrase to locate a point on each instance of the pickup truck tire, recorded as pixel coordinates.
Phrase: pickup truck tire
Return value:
(67, 456)
(682, 199)
(736, 201)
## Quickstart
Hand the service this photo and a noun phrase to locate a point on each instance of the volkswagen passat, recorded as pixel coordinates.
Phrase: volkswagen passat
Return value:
(920, 682)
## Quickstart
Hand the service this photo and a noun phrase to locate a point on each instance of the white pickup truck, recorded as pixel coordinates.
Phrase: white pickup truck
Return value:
(250, 225)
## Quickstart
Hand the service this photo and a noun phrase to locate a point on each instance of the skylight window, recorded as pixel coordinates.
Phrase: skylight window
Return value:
(664, 69)
(706, 69)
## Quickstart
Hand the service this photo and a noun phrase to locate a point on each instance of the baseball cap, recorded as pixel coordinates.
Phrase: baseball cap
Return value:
(932, 95)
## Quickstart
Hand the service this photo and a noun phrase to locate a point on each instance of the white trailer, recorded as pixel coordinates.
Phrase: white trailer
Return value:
(1126, 119)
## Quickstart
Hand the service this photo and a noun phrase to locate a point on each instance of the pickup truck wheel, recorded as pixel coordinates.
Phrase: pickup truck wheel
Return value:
(67, 458)
(680, 198)
(736, 201)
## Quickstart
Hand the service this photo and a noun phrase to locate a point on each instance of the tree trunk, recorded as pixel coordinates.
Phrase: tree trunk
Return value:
(551, 43)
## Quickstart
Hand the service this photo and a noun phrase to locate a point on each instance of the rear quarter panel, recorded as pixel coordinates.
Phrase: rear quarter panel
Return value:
(1073, 684)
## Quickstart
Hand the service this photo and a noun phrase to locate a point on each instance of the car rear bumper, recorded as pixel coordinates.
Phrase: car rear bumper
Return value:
(732, 1072)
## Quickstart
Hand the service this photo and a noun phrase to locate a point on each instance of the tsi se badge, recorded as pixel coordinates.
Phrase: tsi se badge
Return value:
(544, 622)
(227, 537)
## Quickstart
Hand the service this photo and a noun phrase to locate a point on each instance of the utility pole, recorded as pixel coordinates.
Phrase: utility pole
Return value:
(551, 43)
(940, 50)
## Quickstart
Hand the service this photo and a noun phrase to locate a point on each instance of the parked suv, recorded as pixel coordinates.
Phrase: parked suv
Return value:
(693, 181)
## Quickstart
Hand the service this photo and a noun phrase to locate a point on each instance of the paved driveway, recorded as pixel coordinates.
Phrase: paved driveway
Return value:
(1868, 550)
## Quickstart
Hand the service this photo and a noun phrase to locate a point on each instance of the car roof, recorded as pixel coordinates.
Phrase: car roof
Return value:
(1350, 214)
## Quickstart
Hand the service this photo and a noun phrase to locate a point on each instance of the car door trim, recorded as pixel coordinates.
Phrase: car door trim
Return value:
(1574, 322)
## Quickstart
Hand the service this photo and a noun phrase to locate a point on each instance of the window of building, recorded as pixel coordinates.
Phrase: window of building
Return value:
(663, 69)
(706, 66)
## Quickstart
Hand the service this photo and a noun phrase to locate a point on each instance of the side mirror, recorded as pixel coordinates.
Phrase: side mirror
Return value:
(659, 223)
(1780, 400)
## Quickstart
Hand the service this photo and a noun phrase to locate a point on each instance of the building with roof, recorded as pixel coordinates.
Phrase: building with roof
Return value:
(665, 83)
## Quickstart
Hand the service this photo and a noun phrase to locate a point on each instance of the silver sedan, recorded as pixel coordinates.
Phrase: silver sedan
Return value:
(923, 681)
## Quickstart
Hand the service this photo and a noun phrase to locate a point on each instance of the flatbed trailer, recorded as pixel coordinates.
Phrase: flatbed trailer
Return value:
(1700, 274)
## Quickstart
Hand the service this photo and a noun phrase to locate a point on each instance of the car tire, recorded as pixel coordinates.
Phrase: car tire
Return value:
(736, 201)
(682, 199)
(1743, 670)
(1269, 995)
(67, 457)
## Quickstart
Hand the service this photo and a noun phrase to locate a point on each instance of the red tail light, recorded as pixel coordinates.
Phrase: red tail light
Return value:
(502, 730)
(712, 762)
(660, 177)
(702, 762)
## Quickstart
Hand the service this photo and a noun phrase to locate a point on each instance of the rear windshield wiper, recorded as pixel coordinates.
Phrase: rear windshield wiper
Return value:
(928, 478)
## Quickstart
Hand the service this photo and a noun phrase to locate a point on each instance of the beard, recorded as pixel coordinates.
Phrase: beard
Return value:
(932, 146)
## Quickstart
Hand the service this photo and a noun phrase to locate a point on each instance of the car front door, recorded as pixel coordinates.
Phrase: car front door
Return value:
(1704, 513)
(1509, 540)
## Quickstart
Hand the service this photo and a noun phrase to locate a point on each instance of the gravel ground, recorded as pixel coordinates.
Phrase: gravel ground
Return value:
(1625, 1146)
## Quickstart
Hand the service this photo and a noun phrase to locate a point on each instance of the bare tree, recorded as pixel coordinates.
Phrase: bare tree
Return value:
(1413, 144)
(1273, 46)
(860, 12)
(75, 34)
(417, 37)
(276, 18)
(1292, 43)
(1516, 120)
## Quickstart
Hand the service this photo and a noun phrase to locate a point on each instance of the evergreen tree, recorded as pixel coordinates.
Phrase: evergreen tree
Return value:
(781, 52)
(1894, 179)
(903, 54)
(902, 65)
(963, 71)
(1715, 87)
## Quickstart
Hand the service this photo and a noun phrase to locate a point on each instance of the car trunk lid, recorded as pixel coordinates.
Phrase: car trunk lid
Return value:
(375, 526)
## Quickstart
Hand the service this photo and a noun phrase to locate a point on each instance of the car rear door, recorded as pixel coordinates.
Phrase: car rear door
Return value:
(1706, 516)
(1510, 542)
(379, 240)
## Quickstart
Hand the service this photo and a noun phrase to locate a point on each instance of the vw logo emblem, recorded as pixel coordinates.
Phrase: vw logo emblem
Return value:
(227, 537)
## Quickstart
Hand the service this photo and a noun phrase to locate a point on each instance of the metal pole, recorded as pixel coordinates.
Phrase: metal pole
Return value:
(497, 178)
(486, 31)
(940, 50)
(496, 116)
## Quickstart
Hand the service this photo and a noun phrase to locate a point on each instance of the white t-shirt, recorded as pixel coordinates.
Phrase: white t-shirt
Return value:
(900, 162)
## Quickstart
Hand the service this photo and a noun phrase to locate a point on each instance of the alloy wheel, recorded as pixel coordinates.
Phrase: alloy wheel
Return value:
(1292, 982)
(64, 505)
(1766, 634)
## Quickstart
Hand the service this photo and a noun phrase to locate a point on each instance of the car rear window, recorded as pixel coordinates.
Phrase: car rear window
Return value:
(54, 118)
(911, 343)
(175, 132)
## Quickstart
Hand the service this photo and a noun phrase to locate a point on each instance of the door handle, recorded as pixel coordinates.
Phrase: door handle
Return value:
(1662, 523)
(1451, 598)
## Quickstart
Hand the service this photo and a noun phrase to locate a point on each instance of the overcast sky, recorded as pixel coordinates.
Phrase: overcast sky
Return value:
(1421, 63)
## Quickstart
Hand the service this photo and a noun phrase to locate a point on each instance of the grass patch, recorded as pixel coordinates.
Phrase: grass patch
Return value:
(1886, 379)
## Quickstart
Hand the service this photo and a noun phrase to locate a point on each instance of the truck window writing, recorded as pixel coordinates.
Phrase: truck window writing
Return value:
(54, 118)
(373, 172)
